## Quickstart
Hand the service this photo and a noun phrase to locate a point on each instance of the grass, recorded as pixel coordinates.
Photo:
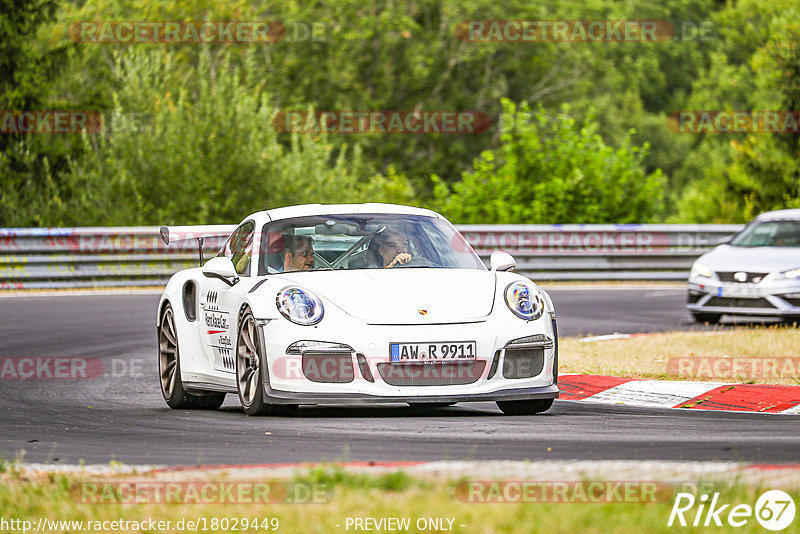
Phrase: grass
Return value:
(360, 496)
(337, 476)
(753, 354)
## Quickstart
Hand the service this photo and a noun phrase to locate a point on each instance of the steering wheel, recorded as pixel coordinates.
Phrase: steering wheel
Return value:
(419, 261)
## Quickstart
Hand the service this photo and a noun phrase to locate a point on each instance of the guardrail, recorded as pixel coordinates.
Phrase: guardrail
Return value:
(35, 258)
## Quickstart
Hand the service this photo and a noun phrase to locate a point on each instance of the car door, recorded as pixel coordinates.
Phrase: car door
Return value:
(220, 301)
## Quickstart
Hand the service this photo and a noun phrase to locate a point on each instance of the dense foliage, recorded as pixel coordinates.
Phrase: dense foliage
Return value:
(579, 130)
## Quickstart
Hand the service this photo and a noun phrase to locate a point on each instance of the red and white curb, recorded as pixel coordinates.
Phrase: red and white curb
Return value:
(680, 394)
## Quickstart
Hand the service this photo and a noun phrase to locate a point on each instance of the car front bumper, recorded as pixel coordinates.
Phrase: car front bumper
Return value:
(287, 382)
(294, 397)
(779, 298)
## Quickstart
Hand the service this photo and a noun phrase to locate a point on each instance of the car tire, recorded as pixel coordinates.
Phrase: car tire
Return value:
(250, 371)
(525, 407)
(791, 320)
(710, 318)
(169, 368)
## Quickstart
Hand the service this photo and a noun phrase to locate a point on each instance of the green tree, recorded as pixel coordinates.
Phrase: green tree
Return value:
(29, 165)
(209, 153)
(551, 169)
(737, 176)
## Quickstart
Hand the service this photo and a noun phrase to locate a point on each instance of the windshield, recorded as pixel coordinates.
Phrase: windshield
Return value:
(769, 234)
(332, 242)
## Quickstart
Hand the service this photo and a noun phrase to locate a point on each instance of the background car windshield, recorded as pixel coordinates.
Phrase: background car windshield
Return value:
(769, 234)
(355, 242)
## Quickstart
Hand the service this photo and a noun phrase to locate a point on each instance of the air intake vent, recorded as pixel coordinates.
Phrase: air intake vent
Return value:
(363, 366)
(190, 301)
(730, 302)
(495, 362)
(441, 374)
(743, 277)
(328, 367)
(794, 301)
(694, 296)
(523, 363)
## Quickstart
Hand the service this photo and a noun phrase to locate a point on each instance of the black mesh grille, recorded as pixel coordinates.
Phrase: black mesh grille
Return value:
(752, 278)
(440, 374)
(328, 367)
(730, 302)
(693, 296)
(523, 363)
(792, 301)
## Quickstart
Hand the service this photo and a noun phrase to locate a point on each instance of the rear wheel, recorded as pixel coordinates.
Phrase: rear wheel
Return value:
(169, 367)
(250, 370)
(525, 407)
(710, 318)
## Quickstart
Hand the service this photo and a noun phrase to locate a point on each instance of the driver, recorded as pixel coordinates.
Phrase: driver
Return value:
(298, 253)
(389, 248)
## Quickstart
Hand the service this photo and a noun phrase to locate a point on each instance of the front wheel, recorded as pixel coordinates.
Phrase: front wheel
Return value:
(251, 369)
(525, 407)
(169, 368)
(710, 318)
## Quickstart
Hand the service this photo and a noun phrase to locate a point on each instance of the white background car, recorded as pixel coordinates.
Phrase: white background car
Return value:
(756, 272)
(436, 330)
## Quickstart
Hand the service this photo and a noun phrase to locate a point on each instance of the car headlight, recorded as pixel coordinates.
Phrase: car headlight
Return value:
(299, 305)
(700, 270)
(792, 273)
(524, 301)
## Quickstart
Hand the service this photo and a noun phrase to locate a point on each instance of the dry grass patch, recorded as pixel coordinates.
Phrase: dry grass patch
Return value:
(754, 355)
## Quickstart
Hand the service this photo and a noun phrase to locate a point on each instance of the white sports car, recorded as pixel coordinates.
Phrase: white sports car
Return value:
(365, 303)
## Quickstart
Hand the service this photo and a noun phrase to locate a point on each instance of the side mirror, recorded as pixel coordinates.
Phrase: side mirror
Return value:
(502, 261)
(222, 268)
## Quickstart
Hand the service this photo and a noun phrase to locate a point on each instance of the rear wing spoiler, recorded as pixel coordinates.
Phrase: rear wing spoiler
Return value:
(177, 234)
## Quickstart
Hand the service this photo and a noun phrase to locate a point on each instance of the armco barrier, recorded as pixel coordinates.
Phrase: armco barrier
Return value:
(33, 258)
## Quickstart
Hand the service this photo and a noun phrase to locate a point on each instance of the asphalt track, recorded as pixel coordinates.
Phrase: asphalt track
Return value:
(121, 416)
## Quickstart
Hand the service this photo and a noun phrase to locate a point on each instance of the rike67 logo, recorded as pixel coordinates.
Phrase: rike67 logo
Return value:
(774, 510)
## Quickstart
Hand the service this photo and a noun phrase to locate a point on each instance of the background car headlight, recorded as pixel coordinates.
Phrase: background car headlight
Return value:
(526, 302)
(299, 305)
(700, 270)
(794, 273)
(791, 274)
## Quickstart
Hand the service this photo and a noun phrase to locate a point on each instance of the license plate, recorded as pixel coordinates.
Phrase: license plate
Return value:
(738, 291)
(432, 352)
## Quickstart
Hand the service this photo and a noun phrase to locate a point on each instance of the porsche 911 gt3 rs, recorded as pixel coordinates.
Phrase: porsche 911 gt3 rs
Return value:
(341, 304)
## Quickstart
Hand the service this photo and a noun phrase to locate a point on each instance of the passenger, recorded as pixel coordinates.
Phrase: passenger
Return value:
(388, 248)
(298, 253)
